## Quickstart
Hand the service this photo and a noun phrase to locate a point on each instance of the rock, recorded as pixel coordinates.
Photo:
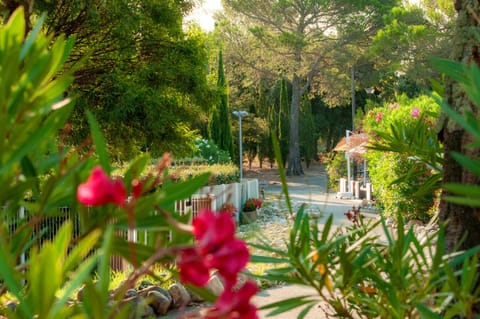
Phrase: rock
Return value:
(243, 277)
(165, 293)
(11, 305)
(143, 309)
(159, 303)
(215, 284)
(131, 293)
(179, 294)
(144, 284)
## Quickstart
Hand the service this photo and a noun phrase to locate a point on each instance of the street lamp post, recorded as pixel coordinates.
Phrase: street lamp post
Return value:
(240, 115)
(347, 155)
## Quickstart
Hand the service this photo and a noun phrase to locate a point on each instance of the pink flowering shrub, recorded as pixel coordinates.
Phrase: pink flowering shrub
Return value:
(405, 156)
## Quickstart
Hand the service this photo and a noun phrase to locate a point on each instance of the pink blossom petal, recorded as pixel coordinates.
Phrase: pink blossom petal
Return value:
(192, 269)
(235, 304)
(100, 190)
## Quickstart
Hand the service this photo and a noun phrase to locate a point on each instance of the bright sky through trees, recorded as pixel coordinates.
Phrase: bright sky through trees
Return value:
(203, 14)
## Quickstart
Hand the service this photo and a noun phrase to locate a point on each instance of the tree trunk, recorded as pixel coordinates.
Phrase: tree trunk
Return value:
(294, 161)
(462, 220)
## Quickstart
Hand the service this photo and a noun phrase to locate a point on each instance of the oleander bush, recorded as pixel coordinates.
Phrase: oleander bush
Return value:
(39, 173)
(405, 156)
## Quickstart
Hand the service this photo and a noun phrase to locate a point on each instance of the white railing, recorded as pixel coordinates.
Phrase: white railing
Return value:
(211, 197)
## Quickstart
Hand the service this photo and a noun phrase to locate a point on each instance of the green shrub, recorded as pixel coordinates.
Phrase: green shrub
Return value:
(405, 157)
(220, 173)
(209, 151)
(336, 165)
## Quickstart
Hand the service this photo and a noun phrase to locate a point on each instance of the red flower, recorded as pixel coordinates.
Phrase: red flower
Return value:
(252, 204)
(101, 190)
(212, 230)
(217, 248)
(229, 259)
(192, 268)
(234, 305)
(378, 117)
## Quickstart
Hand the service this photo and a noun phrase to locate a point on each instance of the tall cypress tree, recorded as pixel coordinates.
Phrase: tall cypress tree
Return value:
(224, 113)
(220, 125)
(308, 136)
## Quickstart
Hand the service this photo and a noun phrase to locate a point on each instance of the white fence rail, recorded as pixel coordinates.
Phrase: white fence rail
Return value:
(211, 197)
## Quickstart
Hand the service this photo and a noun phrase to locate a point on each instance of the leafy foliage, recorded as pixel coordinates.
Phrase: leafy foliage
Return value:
(211, 152)
(40, 173)
(405, 161)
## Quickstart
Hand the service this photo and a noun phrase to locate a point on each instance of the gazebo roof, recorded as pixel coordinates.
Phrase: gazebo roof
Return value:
(357, 143)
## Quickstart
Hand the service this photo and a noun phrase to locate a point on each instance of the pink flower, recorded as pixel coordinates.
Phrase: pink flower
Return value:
(229, 259)
(233, 305)
(415, 112)
(212, 230)
(192, 268)
(216, 248)
(378, 117)
(101, 190)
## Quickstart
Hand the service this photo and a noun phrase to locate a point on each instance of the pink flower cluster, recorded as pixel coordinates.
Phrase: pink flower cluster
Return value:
(378, 117)
(217, 248)
(101, 190)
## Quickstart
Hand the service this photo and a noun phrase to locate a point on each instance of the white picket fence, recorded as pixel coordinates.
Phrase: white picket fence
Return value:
(211, 197)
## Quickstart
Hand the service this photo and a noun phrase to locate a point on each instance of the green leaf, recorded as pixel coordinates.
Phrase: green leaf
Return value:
(268, 260)
(474, 202)
(32, 36)
(287, 304)
(281, 171)
(100, 144)
(426, 312)
(452, 69)
(472, 164)
(172, 192)
(83, 272)
(48, 128)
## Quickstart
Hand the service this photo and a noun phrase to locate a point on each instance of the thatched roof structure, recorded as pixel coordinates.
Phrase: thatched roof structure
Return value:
(356, 145)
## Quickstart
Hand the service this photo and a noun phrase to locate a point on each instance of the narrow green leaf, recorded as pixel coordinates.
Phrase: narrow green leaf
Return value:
(32, 36)
(474, 202)
(452, 69)
(268, 260)
(100, 144)
(287, 304)
(472, 164)
(281, 171)
(426, 312)
(83, 272)
(305, 311)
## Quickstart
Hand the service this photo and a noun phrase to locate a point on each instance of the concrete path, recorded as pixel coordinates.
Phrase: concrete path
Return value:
(310, 189)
